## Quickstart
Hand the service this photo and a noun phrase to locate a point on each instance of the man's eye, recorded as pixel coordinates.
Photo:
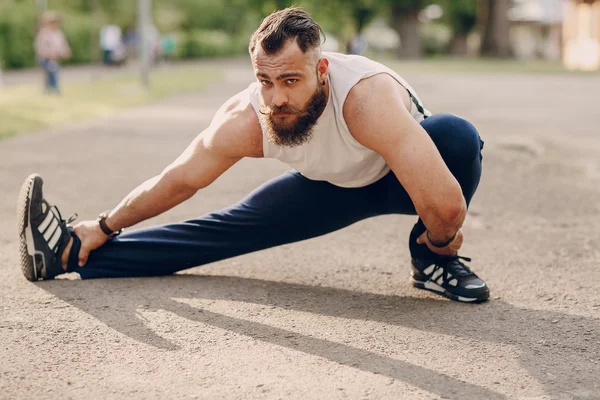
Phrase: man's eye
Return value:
(265, 83)
(291, 81)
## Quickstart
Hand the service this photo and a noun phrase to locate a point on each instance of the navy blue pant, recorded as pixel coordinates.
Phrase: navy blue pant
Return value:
(286, 209)
(51, 69)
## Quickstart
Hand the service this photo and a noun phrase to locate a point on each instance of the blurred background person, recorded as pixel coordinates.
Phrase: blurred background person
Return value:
(167, 47)
(357, 45)
(50, 47)
(111, 44)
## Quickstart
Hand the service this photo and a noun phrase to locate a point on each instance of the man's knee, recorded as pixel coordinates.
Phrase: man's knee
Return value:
(455, 137)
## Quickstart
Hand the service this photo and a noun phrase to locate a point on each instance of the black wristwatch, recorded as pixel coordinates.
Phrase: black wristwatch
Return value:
(102, 222)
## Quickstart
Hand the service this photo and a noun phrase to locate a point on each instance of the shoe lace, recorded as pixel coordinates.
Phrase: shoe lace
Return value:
(72, 218)
(455, 266)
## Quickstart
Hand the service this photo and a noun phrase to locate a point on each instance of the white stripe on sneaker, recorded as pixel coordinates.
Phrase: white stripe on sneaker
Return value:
(433, 286)
(436, 274)
(46, 222)
(54, 239)
(50, 231)
(429, 269)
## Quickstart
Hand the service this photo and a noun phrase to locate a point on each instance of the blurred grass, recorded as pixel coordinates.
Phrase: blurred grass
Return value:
(25, 108)
(449, 65)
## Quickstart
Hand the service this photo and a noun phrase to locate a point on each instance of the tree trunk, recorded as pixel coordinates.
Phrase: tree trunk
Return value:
(496, 39)
(458, 45)
(406, 24)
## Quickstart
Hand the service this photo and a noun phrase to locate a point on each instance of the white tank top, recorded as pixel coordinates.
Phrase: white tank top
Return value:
(332, 154)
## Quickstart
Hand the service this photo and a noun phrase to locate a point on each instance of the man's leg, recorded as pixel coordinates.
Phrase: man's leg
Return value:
(460, 146)
(284, 210)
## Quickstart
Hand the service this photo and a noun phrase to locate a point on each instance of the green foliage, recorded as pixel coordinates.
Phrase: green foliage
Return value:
(266, 7)
(17, 27)
(81, 33)
(460, 15)
(211, 15)
(436, 38)
(202, 28)
(210, 43)
(406, 5)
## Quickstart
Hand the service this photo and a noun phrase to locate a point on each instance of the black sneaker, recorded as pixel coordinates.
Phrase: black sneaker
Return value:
(449, 277)
(43, 234)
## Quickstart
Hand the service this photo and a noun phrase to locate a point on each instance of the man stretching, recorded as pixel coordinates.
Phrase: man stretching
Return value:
(361, 144)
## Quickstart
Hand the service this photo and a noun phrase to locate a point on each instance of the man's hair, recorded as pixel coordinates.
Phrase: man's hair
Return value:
(281, 26)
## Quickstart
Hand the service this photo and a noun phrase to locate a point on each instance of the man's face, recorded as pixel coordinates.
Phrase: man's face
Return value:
(292, 92)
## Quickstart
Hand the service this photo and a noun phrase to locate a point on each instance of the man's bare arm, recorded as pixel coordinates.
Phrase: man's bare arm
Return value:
(376, 112)
(233, 134)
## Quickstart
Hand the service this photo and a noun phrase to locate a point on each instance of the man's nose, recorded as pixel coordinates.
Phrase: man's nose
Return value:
(279, 97)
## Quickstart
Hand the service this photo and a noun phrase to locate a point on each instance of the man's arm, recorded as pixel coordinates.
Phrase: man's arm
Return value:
(376, 112)
(233, 134)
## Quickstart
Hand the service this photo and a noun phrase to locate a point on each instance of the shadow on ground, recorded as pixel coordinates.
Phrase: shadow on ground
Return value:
(570, 341)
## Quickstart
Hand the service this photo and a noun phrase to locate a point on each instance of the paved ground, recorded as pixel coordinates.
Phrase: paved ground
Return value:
(333, 317)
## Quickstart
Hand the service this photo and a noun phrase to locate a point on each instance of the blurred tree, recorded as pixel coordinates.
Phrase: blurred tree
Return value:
(405, 21)
(496, 40)
(461, 17)
(266, 7)
(361, 12)
(238, 16)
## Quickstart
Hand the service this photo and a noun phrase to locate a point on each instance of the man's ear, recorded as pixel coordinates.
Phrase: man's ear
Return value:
(323, 69)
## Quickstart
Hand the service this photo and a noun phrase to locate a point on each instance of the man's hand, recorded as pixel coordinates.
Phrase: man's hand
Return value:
(449, 250)
(91, 237)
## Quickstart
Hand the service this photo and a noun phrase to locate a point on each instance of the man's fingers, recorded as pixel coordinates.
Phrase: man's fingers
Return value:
(83, 256)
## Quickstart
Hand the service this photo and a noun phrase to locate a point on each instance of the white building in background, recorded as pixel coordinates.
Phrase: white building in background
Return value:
(581, 35)
(557, 29)
(536, 28)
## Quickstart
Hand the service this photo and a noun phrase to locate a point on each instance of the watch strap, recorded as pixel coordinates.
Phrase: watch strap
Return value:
(441, 245)
(102, 222)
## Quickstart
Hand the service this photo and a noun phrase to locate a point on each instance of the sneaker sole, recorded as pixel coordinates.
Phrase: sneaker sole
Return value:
(437, 289)
(26, 244)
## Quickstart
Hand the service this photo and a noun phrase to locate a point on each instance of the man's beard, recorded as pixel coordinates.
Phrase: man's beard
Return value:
(294, 133)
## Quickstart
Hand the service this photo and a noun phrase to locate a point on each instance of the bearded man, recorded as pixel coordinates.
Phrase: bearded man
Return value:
(361, 144)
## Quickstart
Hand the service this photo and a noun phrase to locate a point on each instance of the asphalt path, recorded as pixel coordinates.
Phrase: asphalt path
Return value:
(331, 317)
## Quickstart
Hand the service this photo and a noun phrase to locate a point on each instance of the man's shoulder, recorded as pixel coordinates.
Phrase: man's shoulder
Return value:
(369, 97)
(369, 89)
(235, 127)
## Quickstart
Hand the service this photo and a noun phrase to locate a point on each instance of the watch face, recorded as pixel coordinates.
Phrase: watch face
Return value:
(103, 215)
